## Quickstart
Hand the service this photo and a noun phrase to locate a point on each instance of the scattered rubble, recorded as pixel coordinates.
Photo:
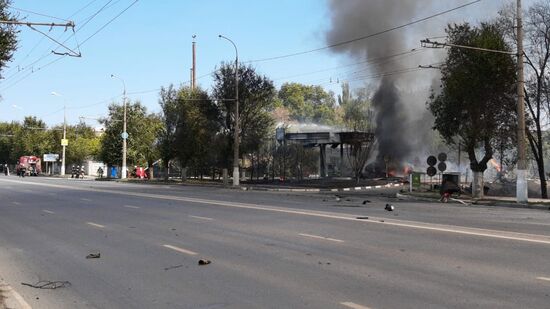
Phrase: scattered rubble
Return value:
(204, 262)
(389, 207)
(173, 267)
(94, 255)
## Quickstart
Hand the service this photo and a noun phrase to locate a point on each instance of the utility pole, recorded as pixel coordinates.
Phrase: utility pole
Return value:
(194, 68)
(521, 170)
(236, 175)
(64, 139)
(124, 133)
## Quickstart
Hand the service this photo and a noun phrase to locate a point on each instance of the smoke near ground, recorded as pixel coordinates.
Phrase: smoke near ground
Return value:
(403, 124)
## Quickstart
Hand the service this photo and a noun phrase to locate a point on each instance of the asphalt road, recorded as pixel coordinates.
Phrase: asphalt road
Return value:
(268, 250)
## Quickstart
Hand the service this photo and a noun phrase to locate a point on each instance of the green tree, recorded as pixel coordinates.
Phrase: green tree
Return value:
(149, 150)
(308, 103)
(537, 68)
(32, 139)
(199, 121)
(139, 137)
(84, 144)
(476, 99)
(8, 34)
(8, 131)
(256, 101)
(167, 134)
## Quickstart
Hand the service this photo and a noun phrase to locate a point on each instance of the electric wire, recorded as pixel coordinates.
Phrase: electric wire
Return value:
(35, 13)
(366, 36)
(82, 43)
(52, 45)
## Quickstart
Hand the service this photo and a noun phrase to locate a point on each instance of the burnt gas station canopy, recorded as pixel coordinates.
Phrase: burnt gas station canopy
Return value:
(335, 139)
(323, 138)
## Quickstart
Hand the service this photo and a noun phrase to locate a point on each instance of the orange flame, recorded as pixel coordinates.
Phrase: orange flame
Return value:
(496, 165)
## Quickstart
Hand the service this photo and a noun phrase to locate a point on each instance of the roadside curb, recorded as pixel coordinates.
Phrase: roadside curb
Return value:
(483, 202)
(351, 189)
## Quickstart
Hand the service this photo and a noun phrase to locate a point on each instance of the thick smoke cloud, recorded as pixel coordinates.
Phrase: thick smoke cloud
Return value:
(399, 101)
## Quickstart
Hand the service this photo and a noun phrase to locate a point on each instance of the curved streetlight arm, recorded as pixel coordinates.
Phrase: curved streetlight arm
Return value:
(235, 46)
(123, 83)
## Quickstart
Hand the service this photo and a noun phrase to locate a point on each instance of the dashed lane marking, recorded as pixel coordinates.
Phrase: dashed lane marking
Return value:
(85, 199)
(130, 206)
(543, 278)
(181, 250)
(95, 225)
(321, 237)
(48, 211)
(16, 203)
(353, 305)
(202, 218)
(444, 228)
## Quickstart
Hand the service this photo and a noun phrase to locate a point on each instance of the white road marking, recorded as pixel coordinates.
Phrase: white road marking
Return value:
(16, 203)
(85, 199)
(321, 237)
(95, 224)
(199, 217)
(543, 278)
(353, 305)
(181, 250)
(130, 206)
(462, 230)
(48, 211)
(6, 289)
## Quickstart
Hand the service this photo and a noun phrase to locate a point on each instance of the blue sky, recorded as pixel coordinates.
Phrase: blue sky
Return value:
(149, 46)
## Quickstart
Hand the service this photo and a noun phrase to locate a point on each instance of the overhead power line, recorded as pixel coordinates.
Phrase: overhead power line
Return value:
(434, 44)
(369, 35)
(36, 13)
(83, 42)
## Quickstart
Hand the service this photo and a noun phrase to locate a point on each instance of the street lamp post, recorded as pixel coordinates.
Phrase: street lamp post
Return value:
(124, 133)
(236, 135)
(63, 142)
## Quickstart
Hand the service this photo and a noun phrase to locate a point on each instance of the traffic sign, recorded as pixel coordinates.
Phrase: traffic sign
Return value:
(442, 166)
(51, 157)
(64, 142)
(442, 157)
(431, 160)
(431, 171)
(124, 135)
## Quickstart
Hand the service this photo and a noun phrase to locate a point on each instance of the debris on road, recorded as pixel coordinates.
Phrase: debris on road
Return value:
(457, 200)
(50, 285)
(366, 201)
(204, 262)
(173, 267)
(362, 218)
(94, 255)
(389, 207)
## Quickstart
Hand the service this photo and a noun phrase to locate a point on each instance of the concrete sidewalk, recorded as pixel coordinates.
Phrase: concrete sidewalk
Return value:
(502, 201)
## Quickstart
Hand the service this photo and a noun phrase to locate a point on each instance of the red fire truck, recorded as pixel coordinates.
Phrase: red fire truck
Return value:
(28, 165)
